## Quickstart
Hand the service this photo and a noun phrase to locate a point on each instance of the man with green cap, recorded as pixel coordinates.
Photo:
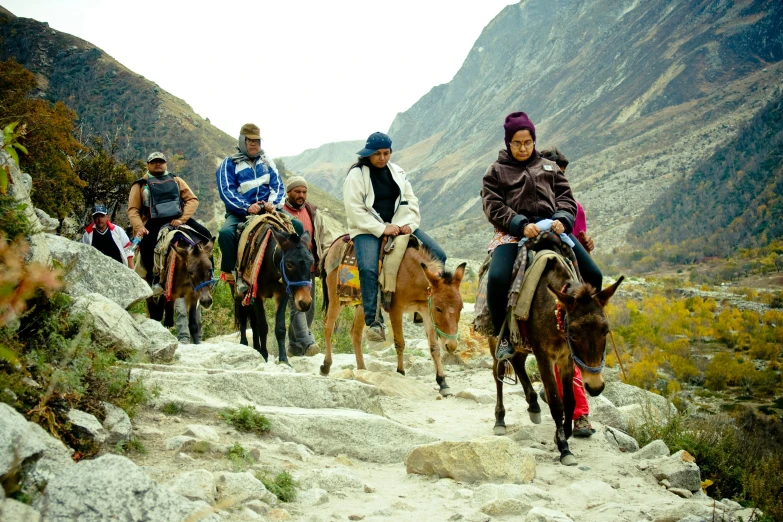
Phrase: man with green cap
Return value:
(248, 183)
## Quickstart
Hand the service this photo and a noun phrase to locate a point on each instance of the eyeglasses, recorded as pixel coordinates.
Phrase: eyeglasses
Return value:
(518, 144)
(248, 140)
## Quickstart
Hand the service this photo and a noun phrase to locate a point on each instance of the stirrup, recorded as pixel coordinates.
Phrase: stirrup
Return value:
(506, 373)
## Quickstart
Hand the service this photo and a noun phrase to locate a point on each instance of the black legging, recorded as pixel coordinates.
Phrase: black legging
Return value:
(148, 242)
(499, 277)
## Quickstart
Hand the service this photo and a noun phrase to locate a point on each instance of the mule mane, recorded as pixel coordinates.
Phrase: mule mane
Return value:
(423, 255)
(583, 292)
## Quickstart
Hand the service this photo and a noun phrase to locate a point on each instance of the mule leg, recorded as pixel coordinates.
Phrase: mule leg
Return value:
(168, 313)
(500, 410)
(440, 375)
(566, 369)
(357, 330)
(194, 326)
(240, 319)
(281, 302)
(260, 328)
(332, 313)
(555, 407)
(533, 409)
(395, 315)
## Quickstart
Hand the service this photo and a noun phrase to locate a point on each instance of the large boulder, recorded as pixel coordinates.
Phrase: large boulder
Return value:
(620, 440)
(194, 485)
(680, 474)
(653, 450)
(117, 424)
(26, 445)
(19, 186)
(48, 224)
(112, 487)
(652, 405)
(88, 271)
(162, 343)
(12, 510)
(234, 388)
(113, 328)
(490, 459)
(242, 487)
(87, 426)
(219, 355)
(602, 410)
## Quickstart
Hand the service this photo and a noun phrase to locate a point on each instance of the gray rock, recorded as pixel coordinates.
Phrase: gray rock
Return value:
(25, 444)
(312, 497)
(89, 272)
(70, 228)
(620, 440)
(603, 411)
(505, 507)
(19, 186)
(258, 507)
(653, 450)
(194, 485)
(488, 492)
(480, 396)
(112, 327)
(748, 515)
(730, 504)
(13, 510)
(112, 487)
(542, 514)
(177, 443)
(374, 365)
(242, 487)
(148, 432)
(162, 343)
(232, 389)
(117, 424)
(654, 406)
(297, 451)
(489, 459)
(48, 224)
(591, 491)
(420, 367)
(220, 355)
(390, 383)
(330, 480)
(684, 493)
(680, 474)
(202, 432)
(87, 425)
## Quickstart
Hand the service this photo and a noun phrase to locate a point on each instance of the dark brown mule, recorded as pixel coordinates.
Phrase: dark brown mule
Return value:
(582, 339)
(285, 268)
(422, 286)
(192, 281)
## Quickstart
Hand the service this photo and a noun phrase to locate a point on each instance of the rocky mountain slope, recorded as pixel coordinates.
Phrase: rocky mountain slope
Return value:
(326, 166)
(637, 94)
(110, 99)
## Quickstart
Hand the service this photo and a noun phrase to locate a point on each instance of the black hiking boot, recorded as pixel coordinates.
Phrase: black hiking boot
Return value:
(504, 350)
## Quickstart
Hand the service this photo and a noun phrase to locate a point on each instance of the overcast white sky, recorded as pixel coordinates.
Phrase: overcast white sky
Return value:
(307, 72)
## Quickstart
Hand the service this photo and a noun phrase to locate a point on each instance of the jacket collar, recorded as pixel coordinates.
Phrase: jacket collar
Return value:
(89, 229)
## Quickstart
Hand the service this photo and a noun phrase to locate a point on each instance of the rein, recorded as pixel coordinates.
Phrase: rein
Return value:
(210, 281)
(562, 325)
(438, 331)
(289, 284)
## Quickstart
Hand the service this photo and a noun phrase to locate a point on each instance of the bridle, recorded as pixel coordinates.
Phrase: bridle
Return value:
(210, 281)
(562, 325)
(289, 284)
(438, 331)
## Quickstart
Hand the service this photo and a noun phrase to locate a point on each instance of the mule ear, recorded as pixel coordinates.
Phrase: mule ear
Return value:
(207, 247)
(567, 300)
(183, 251)
(459, 273)
(604, 295)
(432, 278)
(305, 239)
(282, 239)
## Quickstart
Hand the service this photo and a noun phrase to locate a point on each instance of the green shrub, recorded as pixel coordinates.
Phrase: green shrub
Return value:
(173, 408)
(245, 418)
(201, 446)
(132, 445)
(283, 485)
(240, 458)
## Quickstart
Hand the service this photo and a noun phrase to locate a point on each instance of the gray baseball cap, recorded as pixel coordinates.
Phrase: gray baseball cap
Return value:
(156, 155)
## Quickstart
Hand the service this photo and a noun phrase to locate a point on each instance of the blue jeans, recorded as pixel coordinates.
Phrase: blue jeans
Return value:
(368, 250)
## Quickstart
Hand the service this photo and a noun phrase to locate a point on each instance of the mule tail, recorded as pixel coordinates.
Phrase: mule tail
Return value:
(322, 275)
(239, 312)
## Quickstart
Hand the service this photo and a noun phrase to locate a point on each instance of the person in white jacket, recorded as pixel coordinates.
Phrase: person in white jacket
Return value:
(379, 201)
(108, 238)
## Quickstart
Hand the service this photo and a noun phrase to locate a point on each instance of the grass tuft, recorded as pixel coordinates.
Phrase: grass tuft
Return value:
(245, 418)
(282, 485)
(240, 458)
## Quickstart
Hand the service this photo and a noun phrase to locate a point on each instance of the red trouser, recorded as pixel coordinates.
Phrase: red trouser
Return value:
(579, 392)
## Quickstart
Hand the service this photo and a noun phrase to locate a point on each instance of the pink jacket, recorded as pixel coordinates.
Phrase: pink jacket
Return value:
(580, 223)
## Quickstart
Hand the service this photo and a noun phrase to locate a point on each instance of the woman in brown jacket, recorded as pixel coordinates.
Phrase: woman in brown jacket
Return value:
(519, 190)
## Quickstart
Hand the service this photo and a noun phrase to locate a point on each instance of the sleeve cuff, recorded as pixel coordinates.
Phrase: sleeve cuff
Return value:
(566, 219)
(517, 225)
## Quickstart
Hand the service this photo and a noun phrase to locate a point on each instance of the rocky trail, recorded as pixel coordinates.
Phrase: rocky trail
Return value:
(350, 440)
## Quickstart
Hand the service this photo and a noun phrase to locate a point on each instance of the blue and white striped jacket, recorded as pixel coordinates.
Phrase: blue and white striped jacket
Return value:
(241, 184)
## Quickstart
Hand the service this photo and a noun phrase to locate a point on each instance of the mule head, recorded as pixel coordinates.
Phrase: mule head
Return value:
(297, 266)
(445, 303)
(197, 261)
(587, 329)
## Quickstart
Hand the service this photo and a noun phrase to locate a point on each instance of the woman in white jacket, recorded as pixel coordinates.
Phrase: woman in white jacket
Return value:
(379, 201)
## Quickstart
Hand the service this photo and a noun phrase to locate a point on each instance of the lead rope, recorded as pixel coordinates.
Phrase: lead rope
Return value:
(617, 354)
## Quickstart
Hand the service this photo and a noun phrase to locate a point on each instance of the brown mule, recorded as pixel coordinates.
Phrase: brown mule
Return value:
(192, 280)
(423, 286)
(581, 337)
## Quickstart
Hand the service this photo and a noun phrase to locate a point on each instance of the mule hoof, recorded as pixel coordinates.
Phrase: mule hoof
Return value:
(324, 370)
(535, 418)
(401, 372)
(568, 459)
(446, 392)
(499, 430)
(243, 342)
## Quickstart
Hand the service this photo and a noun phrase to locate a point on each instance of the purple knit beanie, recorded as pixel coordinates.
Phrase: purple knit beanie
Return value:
(516, 121)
